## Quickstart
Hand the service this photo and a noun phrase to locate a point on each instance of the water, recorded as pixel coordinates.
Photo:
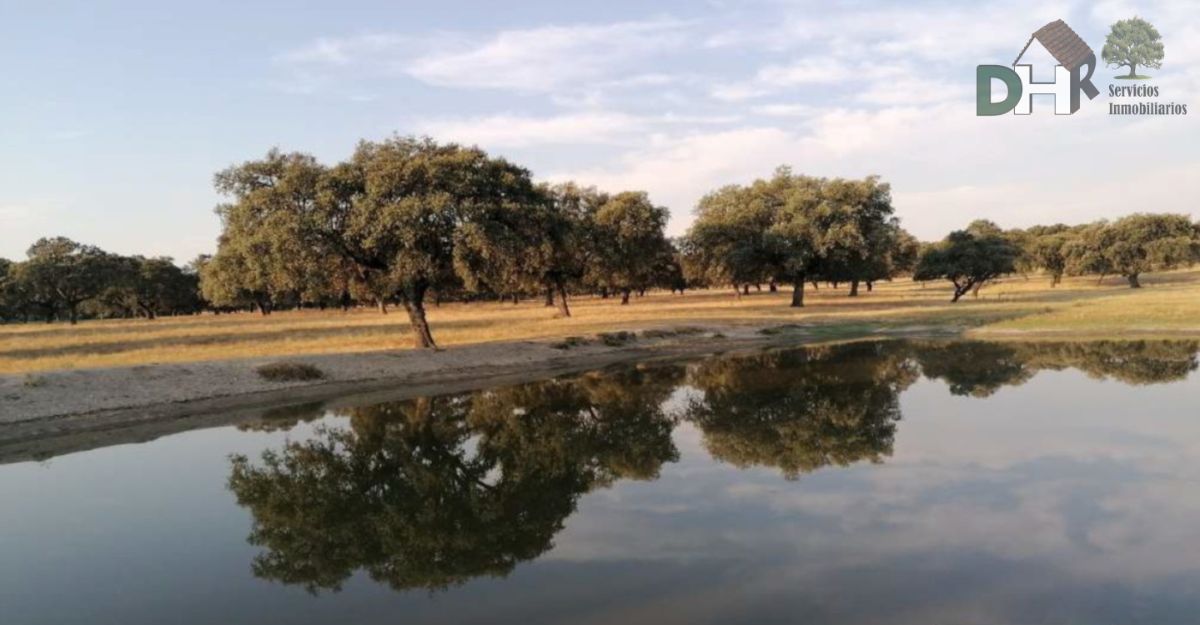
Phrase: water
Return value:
(883, 482)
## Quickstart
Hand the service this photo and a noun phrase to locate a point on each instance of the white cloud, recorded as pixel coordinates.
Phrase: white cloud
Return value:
(946, 165)
(579, 128)
(549, 57)
(506, 130)
(783, 110)
(345, 50)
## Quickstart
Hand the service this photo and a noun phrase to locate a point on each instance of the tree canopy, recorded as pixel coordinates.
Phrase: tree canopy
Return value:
(968, 259)
(793, 229)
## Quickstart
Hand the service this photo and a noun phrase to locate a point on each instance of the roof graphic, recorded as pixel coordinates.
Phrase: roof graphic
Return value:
(1062, 43)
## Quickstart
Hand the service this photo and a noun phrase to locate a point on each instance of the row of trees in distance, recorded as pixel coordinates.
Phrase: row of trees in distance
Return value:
(62, 278)
(408, 220)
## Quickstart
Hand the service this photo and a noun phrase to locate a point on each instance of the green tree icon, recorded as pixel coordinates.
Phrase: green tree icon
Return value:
(1132, 43)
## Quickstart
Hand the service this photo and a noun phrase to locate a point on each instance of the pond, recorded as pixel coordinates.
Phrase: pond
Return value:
(871, 482)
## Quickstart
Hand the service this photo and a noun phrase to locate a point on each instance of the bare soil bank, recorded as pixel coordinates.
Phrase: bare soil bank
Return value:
(45, 415)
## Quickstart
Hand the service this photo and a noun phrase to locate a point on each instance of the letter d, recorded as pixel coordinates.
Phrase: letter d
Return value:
(984, 75)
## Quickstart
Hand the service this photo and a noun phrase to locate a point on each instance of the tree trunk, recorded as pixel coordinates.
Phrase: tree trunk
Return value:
(1132, 74)
(870, 286)
(625, 296)
(422, 336)
(798, 293)
(549, 296)
(746, 289)
(960, 291)
(73, 312)
(854, 288)
(563, 308)
(816, 286)
(1134, 283)
(516, 299)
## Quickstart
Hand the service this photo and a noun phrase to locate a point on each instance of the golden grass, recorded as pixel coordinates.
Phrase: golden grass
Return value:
(1170, 302)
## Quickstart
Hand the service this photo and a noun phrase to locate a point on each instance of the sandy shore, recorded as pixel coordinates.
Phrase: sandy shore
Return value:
(58, 412)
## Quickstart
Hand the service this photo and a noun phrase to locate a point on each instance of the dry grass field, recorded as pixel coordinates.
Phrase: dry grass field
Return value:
(1170, 303)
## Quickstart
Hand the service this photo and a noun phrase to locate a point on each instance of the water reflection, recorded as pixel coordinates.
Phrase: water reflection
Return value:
(979, 369)
(432, 492)
(800, 410)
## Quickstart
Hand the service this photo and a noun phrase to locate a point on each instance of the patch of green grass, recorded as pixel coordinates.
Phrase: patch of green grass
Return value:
(1137, 77)
(289, 372)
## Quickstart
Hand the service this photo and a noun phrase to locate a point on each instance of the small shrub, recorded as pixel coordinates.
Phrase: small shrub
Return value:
(569, 342)
(289, 372)
(616, 339)
(34, 381)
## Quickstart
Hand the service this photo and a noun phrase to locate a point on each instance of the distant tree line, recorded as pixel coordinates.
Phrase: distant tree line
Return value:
(1127, 247)
(410, 222)
(62, 279)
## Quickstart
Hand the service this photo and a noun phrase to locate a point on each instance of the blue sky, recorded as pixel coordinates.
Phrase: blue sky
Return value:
(116, 115)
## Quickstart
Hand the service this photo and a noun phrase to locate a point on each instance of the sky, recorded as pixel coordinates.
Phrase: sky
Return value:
(114, 116)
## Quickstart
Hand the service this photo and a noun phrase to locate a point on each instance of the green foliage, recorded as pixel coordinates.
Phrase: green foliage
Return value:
(1133, 43)
(61, 274)
(404, 215)
(1134, 245)
(10, 301)
(1049, 252)
(969, 258)
(629, 243)
(792, 228)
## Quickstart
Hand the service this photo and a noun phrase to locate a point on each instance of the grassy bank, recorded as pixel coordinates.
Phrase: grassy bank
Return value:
(1169, 303)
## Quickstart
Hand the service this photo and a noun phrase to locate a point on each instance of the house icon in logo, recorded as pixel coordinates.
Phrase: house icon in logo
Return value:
(1072, 54)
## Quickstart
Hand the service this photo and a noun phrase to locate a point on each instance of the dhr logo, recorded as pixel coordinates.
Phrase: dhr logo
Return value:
(1073, 55)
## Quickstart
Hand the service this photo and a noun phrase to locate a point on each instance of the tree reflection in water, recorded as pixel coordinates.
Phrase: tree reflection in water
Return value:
(432, 492)
(799, 410)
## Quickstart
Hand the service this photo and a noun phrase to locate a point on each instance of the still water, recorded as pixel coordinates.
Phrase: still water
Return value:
(876, 482)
